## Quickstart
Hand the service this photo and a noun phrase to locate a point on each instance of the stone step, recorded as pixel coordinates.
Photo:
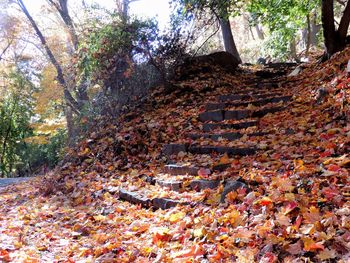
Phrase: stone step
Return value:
(251, 94)
(244, 97)
(139, 198)
(260, 102)
(174, 169)
(135, 198)
(201, 184)
(231, 151)
(207, 127)
(170, 149)
(196, 184)
(172, 185)
(231, 136)
(220, 115)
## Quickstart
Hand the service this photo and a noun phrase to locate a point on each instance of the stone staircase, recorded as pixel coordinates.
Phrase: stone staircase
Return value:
(223, 120)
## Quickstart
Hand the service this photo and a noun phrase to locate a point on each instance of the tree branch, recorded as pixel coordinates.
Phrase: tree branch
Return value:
(5, 49)
(60, 77)
(217, 29)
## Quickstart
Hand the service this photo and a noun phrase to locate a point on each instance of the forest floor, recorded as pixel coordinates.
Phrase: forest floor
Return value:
(149, 187)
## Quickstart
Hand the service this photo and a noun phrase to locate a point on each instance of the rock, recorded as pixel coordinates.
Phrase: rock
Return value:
(192, 66)
(164, 203)
(232, 186)
(321, 95)
(261, 61)
(200, 184)
(296, 71)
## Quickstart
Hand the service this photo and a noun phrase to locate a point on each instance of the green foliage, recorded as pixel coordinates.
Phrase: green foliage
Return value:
(34, 157)
(221, 8)
(17, 154)
(105, 46)
(283, 19)
(16, 109)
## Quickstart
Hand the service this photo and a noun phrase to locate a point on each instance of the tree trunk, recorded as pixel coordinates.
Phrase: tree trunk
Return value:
(308, 38)
(71, 131)
(293, 51)
(227, 36)
(259, 32)
(315, 28)
(328, 27)
(335, 40)
(60, 77)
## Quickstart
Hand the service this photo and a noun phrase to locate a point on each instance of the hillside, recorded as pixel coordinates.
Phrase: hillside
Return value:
(148, 187)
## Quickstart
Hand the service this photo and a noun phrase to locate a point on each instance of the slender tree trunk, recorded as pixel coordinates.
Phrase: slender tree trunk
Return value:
(227, 36)
(62, 8)
(60, 77)
(259, 32)
(315, 28)
(308, 38)
(71, 131)
(293, 50)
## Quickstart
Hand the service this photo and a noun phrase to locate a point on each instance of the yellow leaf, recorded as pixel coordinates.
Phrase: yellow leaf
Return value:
(174, 218)
(199, 232)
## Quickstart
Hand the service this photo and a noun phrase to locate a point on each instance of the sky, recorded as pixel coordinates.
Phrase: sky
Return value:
(152, 8)
(143, 8)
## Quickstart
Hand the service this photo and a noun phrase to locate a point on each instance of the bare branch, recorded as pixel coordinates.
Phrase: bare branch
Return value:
(6, 48)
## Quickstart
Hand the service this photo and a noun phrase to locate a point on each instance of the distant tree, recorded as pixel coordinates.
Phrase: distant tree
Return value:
(16, 109)
(221, 9)
(334, 39)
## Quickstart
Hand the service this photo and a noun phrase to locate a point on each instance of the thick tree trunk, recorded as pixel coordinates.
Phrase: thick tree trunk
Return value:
(328, 27)
(335, 40)
(227, 36)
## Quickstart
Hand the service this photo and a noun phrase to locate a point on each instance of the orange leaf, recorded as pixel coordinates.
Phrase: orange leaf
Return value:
(4, 255)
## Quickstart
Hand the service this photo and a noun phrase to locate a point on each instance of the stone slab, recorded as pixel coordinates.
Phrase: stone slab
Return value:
(170, 149)
(200, 184)
(211, 116)
(221, 149)
(207, 127)
(134, 198)
(174, 169)
(172, 185)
